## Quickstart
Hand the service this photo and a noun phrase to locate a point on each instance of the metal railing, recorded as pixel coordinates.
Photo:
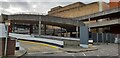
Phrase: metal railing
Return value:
(105, 37)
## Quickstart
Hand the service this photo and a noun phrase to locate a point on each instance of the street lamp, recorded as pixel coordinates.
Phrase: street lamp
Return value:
(7, 23)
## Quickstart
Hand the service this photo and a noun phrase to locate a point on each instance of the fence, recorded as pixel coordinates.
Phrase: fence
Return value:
(104, 37)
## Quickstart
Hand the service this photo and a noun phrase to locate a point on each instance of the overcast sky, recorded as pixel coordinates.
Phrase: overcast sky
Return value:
(37, 6)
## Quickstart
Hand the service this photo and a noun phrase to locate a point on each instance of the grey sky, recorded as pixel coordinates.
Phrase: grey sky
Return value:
(38, 6)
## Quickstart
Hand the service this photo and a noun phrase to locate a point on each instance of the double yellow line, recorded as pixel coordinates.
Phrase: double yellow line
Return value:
(43, 44)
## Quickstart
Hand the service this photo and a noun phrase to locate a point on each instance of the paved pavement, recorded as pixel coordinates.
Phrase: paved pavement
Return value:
(40, 49)
(37, 47)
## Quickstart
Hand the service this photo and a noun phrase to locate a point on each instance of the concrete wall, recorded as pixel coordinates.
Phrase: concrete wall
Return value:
(79, 11)
(0, 46)
(1, 19)
(70, 6)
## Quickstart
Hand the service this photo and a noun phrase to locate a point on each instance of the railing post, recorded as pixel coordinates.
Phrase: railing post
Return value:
(97, 38)
(106, 38)
(102, 37)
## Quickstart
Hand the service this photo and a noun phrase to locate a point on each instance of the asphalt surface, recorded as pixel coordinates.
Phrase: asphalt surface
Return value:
(40, 49)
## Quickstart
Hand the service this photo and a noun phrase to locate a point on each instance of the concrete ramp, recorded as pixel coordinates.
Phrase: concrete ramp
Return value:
(42, 40)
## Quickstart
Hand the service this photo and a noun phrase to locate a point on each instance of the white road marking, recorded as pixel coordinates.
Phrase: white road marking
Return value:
(98, 55)
(83, 54)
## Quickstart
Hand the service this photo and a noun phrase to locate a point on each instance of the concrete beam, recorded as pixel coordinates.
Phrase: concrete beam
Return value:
(46, 18)
(104, 23)
(98, 14)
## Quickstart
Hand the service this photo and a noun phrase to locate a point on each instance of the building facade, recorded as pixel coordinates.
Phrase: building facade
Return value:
(76, 9)
(114, 3)
(84, 10)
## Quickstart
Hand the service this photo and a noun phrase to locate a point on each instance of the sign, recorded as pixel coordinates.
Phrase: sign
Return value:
(84, 36)
(2, 30)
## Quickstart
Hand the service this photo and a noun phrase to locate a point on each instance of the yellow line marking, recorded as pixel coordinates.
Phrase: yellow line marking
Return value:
(43, 44)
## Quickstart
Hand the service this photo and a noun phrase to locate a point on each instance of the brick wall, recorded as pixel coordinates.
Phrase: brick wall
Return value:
(10, 47)
(114, 3)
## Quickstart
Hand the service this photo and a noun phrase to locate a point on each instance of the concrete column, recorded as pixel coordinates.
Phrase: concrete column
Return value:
(66, 33)
(70, 34)
(53, 32)
(40, 19)
(61, 32)
(100, 5)
(97, 37)
(89, 22)
(39, 26)
(13, 28)
(31, 29)
(77, 31)
(44, 29)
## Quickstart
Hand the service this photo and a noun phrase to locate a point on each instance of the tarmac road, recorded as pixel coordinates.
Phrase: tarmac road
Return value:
(40, 49)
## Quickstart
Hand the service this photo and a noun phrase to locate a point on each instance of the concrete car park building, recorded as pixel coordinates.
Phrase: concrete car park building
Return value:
(69, 17)
(81, 11)
(77, 9)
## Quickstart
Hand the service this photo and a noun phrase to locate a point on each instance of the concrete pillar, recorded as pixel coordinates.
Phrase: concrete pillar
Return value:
(100, 5)
(31, 29)
(61, 32)
(13, 28)
(77, 31)
(53, 32)
(39, 26)
(70, 34)
(66, 33)
(44, 29)
(84, 36)
(89, 22)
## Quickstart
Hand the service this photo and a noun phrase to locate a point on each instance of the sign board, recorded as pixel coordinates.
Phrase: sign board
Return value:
(84, 36)
(2, 30)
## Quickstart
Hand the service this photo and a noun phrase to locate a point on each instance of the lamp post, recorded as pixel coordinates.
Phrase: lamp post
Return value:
(7, 23)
